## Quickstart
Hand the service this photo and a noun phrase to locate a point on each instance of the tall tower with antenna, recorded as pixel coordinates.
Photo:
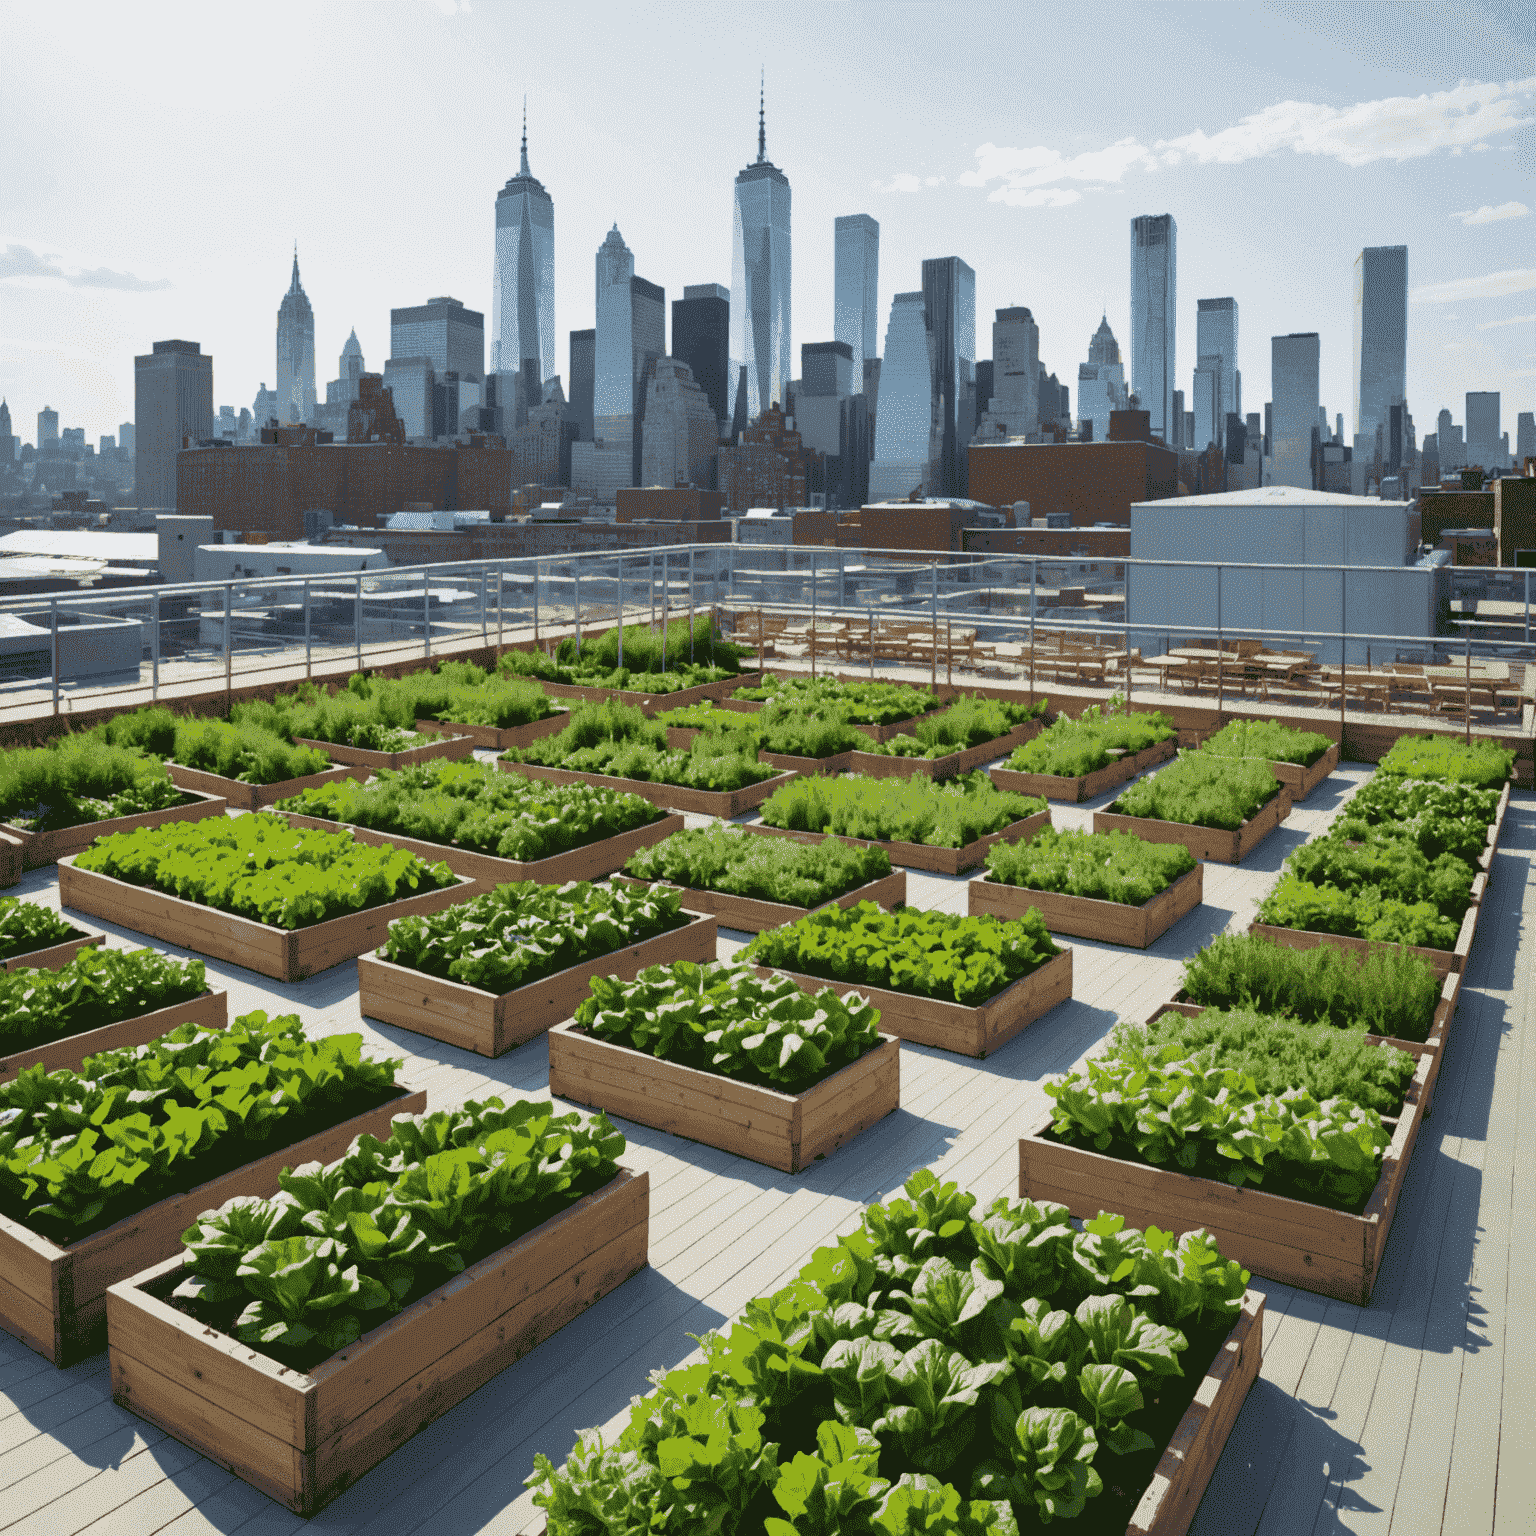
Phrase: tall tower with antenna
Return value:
(295, 353)
(523, 278)
(760, 262)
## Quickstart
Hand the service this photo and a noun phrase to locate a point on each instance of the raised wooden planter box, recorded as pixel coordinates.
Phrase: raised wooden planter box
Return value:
(653, 703)
(68, 1051)
(360, 757)
(940, 861)
(40, 848)
(1333, 1253)
(1301, 780)
(968, 1031)
(785, 1131)
(1213, 843)
(673, 797)
(589, 862)
(54, 1299)
(303, 1438)
(491, 1024)
(1443, 960)
(10, 858)
(793, 763)
(277, 952)
(750, 914)
(1495, 830)
(1110, 922)
(880, 733)
(876, 766)
(56, 956)
(1086, 785)
(498, 738)
(252, 797)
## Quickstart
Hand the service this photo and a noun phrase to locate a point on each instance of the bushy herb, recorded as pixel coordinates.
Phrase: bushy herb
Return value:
(702, 649)
(1359, 914)
(725, 858)
(1480, 763)
(726, 1019)
(246, 751)
(861, 703)
(469, 804)
(1387, 863)
(914, 810)
(1276, 1054)
(343, 1246)
(940, 1370)
(260, 867)
(930, 954)
(80, 1151)
(522, 932)
(1388, 991)
(1106, 866)
(1070, 749)
(970, 721)
(371, 714)
(1267, 739)
(1438, 818)
(79, 779)
(1201, 791)
(99, 986)
(26, 926)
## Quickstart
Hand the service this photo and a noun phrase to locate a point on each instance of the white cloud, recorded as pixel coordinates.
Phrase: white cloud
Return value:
(1493, 325)
(1494, 285)
(1491, 215)
(905, 181)
(20, 262)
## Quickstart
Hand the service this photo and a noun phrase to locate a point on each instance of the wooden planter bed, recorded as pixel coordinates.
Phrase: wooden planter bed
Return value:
(681, 737)
(1495, 830)
(1301, 780)
(1087, 917)
(54, 1299)
(40, 848)
(654, 703)
(303, 1438)
(56, 956)
(939, 861)
(785, 1131)
(252, 797)
(10, 858)
(1085, 785)
(61, 1051)
(360, 757)
(1213, 843)
(286, 955)
(880, 733)
(968, 1031)
(588, 862)
(750, 914)
(498, 738)
(491, 1024)
(672, 797)
(876, 766)
(1333, 1253)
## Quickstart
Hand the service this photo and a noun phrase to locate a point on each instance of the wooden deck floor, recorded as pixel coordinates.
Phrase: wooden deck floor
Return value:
(1405, 1416)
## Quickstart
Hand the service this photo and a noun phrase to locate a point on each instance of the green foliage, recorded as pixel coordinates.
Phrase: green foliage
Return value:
(344, 1246)
(1387, 863)
(1438, 818)
(861, 703)
(522, 932)
(1276, 1054)
(1391, 992)
(80, 1151)
(1106, 866)
(938, 1370)
(1479, 763)
(1201, 791)
(25, 926)
(99, 986)
(250, 752)
(151, 731)
(914, 810)
(1072, 748)
(969, 721)
(78, 779)
(1360, 914)
(260, 867)
(1267, 739)
(469, 804)
(687, 656)
(1212, 1122)
(726, 858)
(930, 954)
(725, 1019)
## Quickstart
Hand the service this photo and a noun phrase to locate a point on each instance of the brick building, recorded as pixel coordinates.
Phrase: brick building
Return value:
(1051, 543)
(654, 503)
(1440, 510)
(1514, 519)
(767, 468)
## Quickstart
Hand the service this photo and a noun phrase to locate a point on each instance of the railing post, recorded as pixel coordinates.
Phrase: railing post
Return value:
(228, 654)
(1466, 635)
(576, 567)
(485, 617)
(621, 612)
(1221, 653)
(1034, 567)
(357, 621)
(154, 645)
(501, 572)
(1527, 607)
(650, 587)
(690, 604)
(308, 643)
(871, 642)
(53, 627)
(663, 609)
(933, 612)
(426, 612)
(1343, 651)
(813, 613)
(535, 604)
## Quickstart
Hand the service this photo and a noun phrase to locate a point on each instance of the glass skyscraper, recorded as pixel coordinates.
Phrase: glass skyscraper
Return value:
(856, 283)
(523, 280)
(1293, 394)
(1216, 350)
(760, 332)
(295, 354)
(1154, 311)
(1381, 335)
(907, 436)
(949, 310)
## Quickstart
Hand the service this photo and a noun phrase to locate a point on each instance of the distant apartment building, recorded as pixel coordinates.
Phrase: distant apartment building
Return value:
(172, 401)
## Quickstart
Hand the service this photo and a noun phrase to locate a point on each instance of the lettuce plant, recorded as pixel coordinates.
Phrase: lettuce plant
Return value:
(1267, 739)
(1482, 763)
(1202, 791)
(970, 721)
(862, 703)
(1072, 748)
(25, 926)
(1105, 866)
(99, 986)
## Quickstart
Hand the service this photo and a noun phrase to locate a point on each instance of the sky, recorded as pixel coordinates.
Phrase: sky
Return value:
(162, 158)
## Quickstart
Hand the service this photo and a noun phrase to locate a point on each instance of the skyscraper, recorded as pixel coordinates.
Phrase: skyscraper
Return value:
(648, 320)
(443, 330)
(47, 429)
(1381, 335)
(523, 278)
(949, 311)
(1294, 363)
(172, 400)
(760, 325)
(295, 353)
(1216, 338)
(583, 374)
(701, 337)
(907, 430)
(1485, 446)
(1154, 285)
(856, 284)
(1101, 382)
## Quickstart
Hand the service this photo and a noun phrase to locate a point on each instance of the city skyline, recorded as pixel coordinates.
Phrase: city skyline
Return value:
(1389, 157)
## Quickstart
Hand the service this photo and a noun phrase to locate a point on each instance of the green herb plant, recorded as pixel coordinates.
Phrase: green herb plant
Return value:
(79, 779)
(1196, 790)
(1070, 748)
(1104, 866)
(25, 926)
(1269, 740)
(863, 703)
(1481, 763)
(970, 721)
(100, 986)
